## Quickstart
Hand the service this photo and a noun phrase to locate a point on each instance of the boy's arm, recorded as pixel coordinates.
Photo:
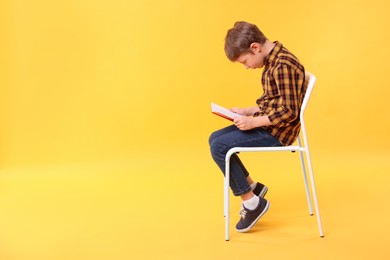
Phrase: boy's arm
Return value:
(288, 83)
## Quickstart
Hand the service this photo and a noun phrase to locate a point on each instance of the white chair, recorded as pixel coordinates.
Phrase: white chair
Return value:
(310, 80)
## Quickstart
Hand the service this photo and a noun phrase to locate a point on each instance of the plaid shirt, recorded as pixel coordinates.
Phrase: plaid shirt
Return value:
(284, 89)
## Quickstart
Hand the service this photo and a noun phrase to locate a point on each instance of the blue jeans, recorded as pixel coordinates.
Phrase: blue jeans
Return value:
(222, 140)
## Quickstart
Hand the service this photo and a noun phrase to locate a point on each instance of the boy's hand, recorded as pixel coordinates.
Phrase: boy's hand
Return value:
(244, 123)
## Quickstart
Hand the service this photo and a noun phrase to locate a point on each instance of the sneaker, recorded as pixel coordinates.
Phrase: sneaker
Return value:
(250, 217)
(260, 190)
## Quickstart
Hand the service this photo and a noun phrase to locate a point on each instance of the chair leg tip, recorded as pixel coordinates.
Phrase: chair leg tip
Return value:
(322, 236)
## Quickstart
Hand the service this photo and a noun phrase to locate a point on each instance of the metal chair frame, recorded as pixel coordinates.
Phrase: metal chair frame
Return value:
(303, 149)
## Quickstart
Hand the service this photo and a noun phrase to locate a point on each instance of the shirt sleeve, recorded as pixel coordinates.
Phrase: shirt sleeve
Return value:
(288, 101)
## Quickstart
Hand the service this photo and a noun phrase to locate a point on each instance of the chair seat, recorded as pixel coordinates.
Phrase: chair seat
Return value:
(266, 149)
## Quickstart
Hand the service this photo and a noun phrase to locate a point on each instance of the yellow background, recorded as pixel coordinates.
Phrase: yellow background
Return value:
(111, 99)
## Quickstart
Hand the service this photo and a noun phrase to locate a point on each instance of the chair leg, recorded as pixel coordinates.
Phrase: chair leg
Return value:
(305, 178)
(226, 199)
(314, 191)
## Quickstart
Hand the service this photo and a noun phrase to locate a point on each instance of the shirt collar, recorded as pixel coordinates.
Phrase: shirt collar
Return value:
(274, 52)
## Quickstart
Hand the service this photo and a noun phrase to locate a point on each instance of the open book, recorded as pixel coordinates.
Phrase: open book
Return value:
(223, 112)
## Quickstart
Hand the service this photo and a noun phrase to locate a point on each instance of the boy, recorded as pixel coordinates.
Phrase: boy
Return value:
(274, 121)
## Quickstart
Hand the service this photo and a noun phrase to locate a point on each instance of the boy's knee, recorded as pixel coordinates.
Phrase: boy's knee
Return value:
(218, 150)
(211, 138)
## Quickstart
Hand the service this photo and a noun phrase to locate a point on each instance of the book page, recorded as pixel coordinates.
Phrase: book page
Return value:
(223, 112)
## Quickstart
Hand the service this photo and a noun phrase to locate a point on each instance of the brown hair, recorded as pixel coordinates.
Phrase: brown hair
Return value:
(239, 39)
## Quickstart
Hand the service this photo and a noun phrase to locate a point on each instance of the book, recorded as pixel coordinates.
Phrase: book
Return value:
(223, 112)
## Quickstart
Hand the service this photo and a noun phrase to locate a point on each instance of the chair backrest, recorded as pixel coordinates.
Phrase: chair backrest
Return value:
(310, 80)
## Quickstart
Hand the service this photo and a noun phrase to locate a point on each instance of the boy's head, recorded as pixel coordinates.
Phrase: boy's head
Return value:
(244, 38)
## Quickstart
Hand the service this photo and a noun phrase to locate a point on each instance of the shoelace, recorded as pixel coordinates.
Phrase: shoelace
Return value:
(241, 209)
(243, 213)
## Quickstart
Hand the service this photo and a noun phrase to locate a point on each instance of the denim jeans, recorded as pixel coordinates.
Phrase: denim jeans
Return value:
(222, 140)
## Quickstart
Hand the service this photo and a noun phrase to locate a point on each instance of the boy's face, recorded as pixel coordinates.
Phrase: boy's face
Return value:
(253, 59)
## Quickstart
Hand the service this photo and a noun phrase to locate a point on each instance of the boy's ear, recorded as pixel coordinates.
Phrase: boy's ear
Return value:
(255, 47)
